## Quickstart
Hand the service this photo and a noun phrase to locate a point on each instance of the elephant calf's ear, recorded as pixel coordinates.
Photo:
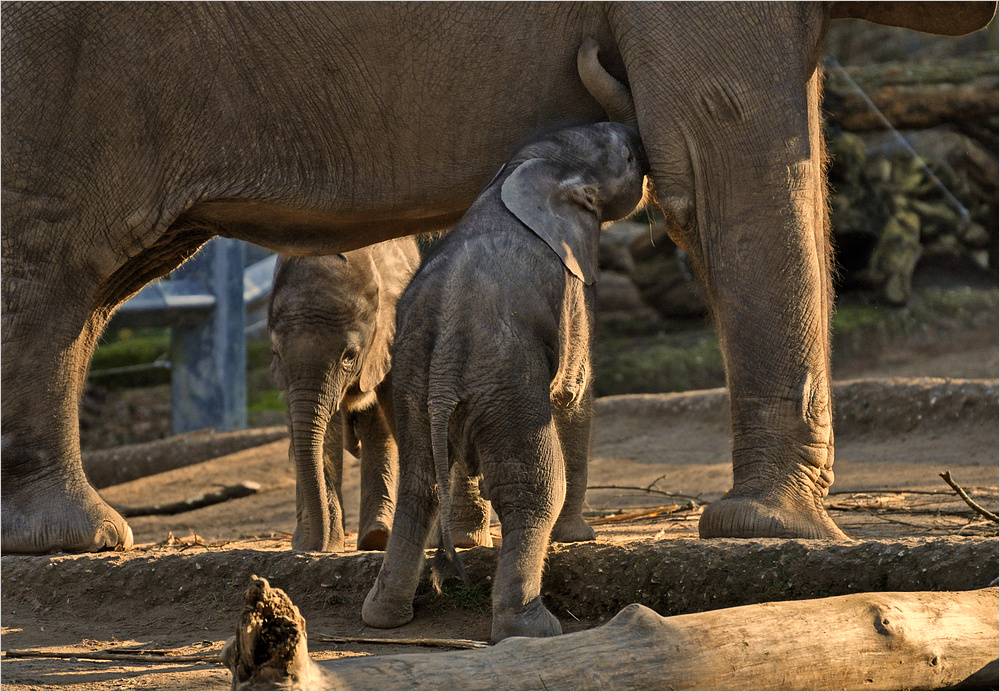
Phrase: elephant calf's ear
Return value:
(562, 212)
(378, 354)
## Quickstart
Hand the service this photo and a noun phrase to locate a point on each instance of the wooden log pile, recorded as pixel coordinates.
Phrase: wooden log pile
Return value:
(921, 640)
(912, 96)
(927, 189)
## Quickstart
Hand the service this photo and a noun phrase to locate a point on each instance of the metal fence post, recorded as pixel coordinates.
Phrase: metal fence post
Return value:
(209, 355)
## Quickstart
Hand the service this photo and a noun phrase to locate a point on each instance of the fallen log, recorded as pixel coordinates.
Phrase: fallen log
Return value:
(205, 499)
(912, 95)
(921, 640)
(121, 464)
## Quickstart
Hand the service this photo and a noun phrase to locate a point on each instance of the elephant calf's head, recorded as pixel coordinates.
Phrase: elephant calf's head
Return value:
(565, 185)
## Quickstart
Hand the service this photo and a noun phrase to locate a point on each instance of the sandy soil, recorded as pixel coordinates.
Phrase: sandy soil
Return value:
(181, 588)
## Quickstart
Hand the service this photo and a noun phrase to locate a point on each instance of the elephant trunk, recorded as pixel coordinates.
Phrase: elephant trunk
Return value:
(310, 409)
(613, 96)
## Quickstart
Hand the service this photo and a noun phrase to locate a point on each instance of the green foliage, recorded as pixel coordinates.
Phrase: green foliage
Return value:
(258, 354)
(266, 400)
(455, 593)
(120, 358)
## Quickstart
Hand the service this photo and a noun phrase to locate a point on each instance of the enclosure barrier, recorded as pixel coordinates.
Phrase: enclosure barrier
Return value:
(204, 302)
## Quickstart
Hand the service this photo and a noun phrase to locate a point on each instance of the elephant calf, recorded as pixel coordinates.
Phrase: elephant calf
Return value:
(492, 367)
(332, 321)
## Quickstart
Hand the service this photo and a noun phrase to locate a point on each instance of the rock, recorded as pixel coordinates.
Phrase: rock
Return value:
(615, 242)
(616, 293)
(665, 284)
(895, 256)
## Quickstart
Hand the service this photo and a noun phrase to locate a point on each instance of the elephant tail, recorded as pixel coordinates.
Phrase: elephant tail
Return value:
(446, 558)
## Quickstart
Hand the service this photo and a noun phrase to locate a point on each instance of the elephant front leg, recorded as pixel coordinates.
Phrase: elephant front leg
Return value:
(736, 154)
(576, 429)
(379, 472)
(769, 278)
(48, 339)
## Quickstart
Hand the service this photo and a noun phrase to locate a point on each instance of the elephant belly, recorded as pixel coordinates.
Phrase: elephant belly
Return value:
(312, 232)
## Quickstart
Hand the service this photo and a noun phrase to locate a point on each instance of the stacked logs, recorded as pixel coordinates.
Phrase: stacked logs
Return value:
(914, 168)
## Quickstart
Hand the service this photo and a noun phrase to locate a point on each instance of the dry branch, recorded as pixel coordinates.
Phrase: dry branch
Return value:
(632, 516)
(112, 656)
(917, 640)
(127, 463)
(406, 641)
(650, 490)
(968, 500)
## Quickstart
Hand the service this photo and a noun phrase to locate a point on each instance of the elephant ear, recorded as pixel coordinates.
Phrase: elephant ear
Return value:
(945, 18)
(561, 211)
(378, 355)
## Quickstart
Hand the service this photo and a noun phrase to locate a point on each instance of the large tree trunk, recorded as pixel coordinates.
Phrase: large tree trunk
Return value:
(921, 640)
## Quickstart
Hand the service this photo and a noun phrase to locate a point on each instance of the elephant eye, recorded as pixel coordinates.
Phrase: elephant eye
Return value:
(350, 354)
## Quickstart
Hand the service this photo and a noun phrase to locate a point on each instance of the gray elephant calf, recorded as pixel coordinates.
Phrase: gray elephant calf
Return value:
(332, 321)
(492, 366)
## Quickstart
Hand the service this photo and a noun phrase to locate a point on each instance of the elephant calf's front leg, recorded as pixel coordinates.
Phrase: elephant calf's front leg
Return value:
(575, 426)
(389, 603)
(470, 513)
(379, 472)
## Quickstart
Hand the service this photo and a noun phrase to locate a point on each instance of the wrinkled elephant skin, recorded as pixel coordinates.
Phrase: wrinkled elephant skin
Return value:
(132, 133)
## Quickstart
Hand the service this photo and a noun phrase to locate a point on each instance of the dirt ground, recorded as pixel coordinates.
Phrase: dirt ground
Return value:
(181, 588)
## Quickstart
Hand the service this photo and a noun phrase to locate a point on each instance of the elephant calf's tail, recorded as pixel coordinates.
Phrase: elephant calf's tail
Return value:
(447, 559)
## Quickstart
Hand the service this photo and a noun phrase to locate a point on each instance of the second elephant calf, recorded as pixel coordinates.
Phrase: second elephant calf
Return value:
(332, 321)
(492, 367)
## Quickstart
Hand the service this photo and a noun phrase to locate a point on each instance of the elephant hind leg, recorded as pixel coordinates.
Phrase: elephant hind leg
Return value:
(64, 514)
(56, 300)
(527, 486)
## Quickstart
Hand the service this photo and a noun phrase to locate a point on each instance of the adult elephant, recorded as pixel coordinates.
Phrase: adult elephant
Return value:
(133, 133)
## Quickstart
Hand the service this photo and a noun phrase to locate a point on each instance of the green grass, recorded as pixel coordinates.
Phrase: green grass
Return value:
(475, 596)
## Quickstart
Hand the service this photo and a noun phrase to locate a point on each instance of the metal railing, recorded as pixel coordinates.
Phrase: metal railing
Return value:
(204, 303)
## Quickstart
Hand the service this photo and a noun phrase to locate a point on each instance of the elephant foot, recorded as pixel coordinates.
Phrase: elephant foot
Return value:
(72, 520)
(532, 620)
(470, 537)
(375, 537)
(572, 529)
(303, 542)
(385, 610)
(741, 516)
